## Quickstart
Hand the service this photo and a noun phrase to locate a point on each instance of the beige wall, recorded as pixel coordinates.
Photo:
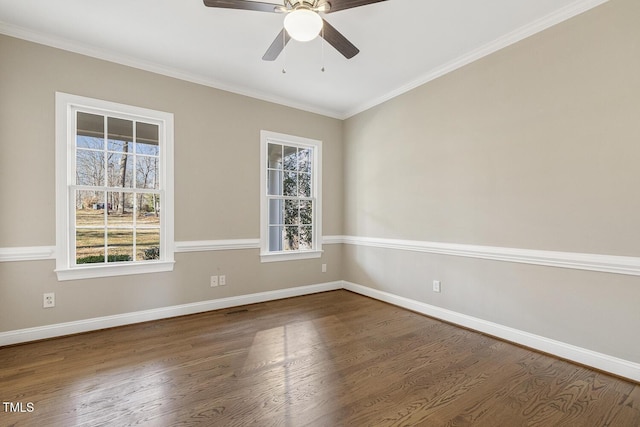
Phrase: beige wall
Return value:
(536, 146)
(217, 137)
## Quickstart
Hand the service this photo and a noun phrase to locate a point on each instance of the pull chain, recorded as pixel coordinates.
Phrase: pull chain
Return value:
(284, 51)
(322, 48)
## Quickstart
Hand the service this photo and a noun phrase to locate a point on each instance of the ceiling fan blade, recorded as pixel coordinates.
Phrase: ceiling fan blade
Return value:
(243, 4)
(337, 5)
(338, 41)
(276, 47)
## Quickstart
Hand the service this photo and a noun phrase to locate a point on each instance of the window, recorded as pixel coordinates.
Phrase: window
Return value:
(114, 189)
(291, 204)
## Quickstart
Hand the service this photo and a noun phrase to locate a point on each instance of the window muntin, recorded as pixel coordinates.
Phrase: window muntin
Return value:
(290, 202)
(117, 198)
(289, 191)
(117, 186)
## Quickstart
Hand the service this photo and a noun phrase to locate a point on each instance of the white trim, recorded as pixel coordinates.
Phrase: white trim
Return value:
(217, 245)
(267, 137)
(513, 37)
(28, 253)
(614, 365)
(37, 253)
(67, 328)
(112, 270)
(332, 240)
(579, 261)
(66, 106)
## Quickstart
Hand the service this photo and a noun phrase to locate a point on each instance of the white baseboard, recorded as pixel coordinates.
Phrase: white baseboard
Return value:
(603, 362)
(68, 328)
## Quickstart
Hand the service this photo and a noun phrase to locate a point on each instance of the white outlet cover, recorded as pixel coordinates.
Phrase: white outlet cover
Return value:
(48, 300)
(436, 286)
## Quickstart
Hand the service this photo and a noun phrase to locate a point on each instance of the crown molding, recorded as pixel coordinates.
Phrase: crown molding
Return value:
(110, 56)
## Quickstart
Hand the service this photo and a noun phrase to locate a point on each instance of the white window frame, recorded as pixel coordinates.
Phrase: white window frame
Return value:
(66, 107)
(267, 137)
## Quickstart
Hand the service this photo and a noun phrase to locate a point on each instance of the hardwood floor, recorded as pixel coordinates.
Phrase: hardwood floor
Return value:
(329, 359)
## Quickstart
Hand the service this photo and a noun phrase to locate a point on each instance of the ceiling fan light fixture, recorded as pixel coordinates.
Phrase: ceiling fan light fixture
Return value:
(303, 24)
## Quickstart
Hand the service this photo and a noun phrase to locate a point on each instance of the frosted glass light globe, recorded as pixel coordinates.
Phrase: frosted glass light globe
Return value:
(303, 24)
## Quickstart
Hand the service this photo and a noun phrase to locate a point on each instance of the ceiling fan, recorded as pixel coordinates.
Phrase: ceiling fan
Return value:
(302, 21)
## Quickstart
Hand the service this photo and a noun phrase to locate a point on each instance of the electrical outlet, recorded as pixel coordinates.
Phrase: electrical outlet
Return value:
(48, 300)
(324, 268)
(223, 280)
(436, 286)
(214, 281)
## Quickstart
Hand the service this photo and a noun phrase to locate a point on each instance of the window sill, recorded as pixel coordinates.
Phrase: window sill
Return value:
(289, 256)
(94, 271)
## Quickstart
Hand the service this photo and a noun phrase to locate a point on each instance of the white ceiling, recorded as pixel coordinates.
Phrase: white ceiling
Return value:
(403, 43)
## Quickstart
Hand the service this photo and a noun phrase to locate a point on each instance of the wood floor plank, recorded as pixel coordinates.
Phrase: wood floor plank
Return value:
(328, 359)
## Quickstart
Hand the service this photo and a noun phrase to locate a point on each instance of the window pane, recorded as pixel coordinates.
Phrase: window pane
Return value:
(89, 213)
(304, 185)
(120, 209)
(89, 167)
(89, 208)
(306, 237)
(147, 172)
(119, 245)
(275, 212)
(147, 244)
(275, 238)
(291, 238)
(120, 134)
(274, 160)
(120, 172)
(274, 183)
(89, 131)
(148, 209)
(304, 160)
(147, 139)
(290, 184)
(291, 211)
(290, 158)
(89, 245)
(90, 142)
(306, 212)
